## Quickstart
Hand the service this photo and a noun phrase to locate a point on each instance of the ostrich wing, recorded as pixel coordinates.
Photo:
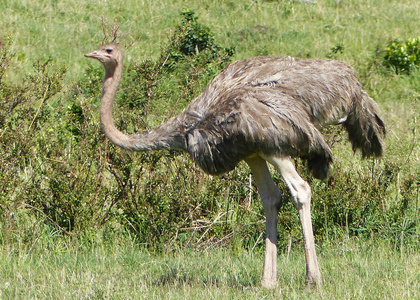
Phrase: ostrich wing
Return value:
(254, 120)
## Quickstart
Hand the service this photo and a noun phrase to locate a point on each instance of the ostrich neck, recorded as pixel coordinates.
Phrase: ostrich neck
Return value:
(166, 136)
(110, 87)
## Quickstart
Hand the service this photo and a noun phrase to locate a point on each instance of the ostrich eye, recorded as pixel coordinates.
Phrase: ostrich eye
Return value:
(109, 50)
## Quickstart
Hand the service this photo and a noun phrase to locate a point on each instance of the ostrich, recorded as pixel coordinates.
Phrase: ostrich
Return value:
(260, 110)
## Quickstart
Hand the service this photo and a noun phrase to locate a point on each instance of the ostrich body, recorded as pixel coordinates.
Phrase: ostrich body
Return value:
(261, 110)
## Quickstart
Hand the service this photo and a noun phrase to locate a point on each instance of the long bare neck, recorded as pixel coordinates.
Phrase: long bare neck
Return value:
(110, 87)
(167, 136)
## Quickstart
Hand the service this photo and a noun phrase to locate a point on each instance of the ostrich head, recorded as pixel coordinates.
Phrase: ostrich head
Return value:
(109, 55)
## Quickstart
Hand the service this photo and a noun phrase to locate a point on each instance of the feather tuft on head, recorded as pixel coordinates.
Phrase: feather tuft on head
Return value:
(113, 35)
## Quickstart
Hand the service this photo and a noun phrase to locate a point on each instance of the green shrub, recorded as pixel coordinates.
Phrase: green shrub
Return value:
(24, 117)
(403, 56)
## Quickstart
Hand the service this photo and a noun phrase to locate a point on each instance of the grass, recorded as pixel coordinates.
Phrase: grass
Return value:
(38, 262)
(352, 269)
(64, 30)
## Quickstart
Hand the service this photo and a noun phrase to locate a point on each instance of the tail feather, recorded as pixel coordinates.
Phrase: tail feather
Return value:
(319, 165)
(365, 128)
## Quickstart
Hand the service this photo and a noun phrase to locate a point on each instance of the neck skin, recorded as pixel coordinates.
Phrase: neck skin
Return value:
(167, 136)
(110, 87)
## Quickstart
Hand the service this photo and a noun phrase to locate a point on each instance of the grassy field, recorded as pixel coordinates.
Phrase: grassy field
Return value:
(64, 30)
(352, 269)
(72, 227)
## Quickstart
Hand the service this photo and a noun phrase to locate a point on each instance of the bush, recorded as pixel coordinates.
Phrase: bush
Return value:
(24, 125)
(403, 56)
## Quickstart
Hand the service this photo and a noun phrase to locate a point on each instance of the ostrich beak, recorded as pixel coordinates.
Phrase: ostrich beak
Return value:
(93, 54)
(97, 55)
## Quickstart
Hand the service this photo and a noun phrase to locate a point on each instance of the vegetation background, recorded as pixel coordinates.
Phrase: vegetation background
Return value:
(80, 218)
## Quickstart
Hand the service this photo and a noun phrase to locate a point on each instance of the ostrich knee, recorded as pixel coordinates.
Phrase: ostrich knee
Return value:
(301, 194)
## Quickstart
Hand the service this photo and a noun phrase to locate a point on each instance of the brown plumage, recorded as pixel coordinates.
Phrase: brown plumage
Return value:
(263, 108)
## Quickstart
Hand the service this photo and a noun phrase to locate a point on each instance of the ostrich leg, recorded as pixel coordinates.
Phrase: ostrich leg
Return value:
(271, 199)
(301, 197)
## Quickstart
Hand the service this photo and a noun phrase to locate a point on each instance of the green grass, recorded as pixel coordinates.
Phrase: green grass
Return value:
(102, 260)
(64, 30)
(352, 269)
